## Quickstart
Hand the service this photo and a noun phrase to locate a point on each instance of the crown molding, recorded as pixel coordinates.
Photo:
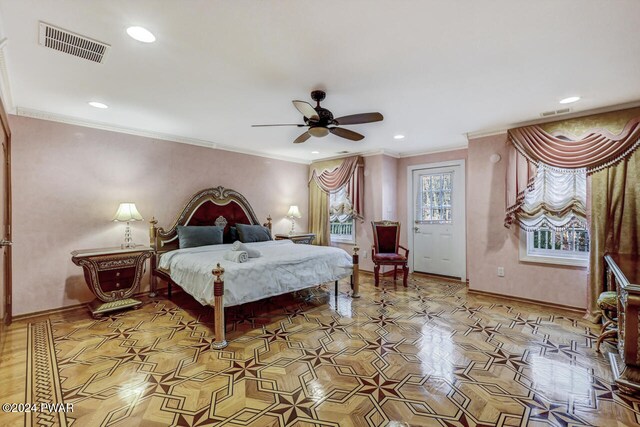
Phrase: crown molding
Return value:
(368, 153)
(5, 82)
(424, 153)
(261, 154)
(498, 131)
(482, 134)
(60, 118)
(382, 152)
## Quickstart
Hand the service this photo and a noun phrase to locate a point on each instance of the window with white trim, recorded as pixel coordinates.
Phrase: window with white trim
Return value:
(553, 211)
(341, 220)
(567, 247)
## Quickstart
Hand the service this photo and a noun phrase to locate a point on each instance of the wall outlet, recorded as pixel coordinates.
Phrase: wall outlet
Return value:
(500, 271)
(365, 254)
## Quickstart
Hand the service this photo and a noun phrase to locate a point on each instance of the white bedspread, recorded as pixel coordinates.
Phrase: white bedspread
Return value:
(283, 267)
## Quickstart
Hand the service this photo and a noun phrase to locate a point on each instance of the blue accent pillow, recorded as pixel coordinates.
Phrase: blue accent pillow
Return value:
(199, 235)
(253, 233)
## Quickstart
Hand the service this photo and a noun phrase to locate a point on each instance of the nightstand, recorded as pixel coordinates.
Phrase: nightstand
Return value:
(306, 239)
(113, 275)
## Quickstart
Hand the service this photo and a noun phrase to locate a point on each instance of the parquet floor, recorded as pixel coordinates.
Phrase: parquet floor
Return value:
(428, 355)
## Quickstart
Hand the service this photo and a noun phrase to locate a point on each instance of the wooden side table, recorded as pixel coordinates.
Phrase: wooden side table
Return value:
(306, 239)
(113, 275)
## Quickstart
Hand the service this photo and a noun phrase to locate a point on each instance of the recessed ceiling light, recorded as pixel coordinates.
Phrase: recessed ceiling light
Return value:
(141, 34)
(98, 104)
(315, 152)
(398, 136)
(569, 100)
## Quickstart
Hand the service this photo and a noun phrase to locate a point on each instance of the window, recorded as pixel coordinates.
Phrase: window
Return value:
(434, 204)
(568, 247)
(343, 227)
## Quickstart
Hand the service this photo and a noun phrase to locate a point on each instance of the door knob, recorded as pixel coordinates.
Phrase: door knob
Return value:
(416, 229)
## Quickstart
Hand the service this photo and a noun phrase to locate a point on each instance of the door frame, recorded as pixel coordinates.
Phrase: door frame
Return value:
(411, 210)
(7, 234)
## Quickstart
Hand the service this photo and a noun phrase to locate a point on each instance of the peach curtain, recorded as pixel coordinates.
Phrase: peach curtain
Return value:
(329, 176)
(349, 173)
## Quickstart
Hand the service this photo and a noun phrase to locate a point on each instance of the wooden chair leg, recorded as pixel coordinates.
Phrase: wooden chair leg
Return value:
(395, 273)
(602, 337)
(376, 273)
(405, 271)
(605, 325)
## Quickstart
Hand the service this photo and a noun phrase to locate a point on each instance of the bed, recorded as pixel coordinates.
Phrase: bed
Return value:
(203, 272)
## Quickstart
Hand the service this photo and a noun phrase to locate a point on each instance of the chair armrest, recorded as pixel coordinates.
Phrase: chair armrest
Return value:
(373, 250)
(406, 251)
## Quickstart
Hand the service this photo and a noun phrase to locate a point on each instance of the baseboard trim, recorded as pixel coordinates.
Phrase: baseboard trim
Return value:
(51, 311)
(48, 312)
(577, 310)
(439, 277)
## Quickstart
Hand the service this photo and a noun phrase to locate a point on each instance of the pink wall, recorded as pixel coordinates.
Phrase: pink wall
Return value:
(69, 180)
(490, 244)
(389, 188)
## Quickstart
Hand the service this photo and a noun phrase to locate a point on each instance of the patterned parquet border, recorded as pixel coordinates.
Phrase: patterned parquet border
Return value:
(43, 383)
(426, 355)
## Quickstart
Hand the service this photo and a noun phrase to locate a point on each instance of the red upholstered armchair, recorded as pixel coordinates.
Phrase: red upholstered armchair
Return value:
(385, 250)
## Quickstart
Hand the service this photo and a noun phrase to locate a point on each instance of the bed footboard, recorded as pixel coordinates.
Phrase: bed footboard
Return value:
(220, 340)
(356, 273)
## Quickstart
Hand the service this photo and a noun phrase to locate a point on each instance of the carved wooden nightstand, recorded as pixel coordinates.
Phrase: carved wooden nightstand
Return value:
(306, 239)
(113, 275)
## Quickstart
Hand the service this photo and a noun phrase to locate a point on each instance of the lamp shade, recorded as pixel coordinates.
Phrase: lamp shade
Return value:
(127, 212)
(294, 212)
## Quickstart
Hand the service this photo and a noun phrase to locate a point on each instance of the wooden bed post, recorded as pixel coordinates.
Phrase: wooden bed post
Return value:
(220, 341)
(356, 273)
(153, 242)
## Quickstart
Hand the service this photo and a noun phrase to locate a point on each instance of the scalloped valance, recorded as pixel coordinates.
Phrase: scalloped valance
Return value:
(582, 145)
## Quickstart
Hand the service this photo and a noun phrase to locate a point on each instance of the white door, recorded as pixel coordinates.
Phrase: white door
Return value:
(439, 221)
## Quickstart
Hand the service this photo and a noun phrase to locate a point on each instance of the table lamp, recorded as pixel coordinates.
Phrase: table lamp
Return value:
(294, 212)
(127, 212)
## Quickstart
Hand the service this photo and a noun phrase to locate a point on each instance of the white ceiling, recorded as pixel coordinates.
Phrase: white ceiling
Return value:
(435, 69)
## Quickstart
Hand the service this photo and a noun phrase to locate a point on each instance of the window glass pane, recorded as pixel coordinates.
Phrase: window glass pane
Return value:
(569, 243)
(434, 199)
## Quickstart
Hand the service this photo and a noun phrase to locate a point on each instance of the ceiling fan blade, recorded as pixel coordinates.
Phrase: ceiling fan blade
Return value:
(302, 138)
(261, 126)
(345, 133)
(306, 109)
(356, 119)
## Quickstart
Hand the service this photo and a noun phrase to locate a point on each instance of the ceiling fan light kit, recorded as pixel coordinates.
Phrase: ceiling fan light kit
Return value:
(318, 132)
(320, 121)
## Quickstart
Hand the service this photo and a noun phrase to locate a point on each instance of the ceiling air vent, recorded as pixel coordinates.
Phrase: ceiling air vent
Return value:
(555, 112)
(71, 43)
(342, 152)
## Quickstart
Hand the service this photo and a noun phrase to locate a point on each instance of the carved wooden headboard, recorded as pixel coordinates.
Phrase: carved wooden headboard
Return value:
(213, 206)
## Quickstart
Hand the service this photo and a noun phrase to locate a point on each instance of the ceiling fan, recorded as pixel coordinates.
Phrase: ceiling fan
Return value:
(320, 121)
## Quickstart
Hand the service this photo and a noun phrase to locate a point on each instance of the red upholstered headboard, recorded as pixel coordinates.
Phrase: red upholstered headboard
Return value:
(212, 206)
